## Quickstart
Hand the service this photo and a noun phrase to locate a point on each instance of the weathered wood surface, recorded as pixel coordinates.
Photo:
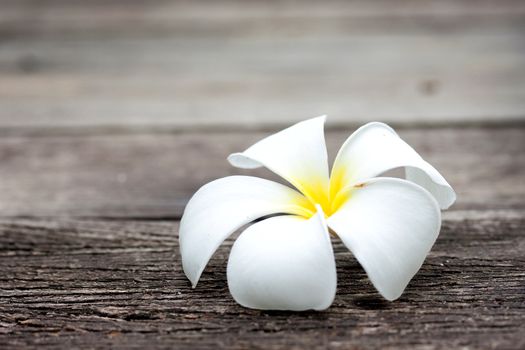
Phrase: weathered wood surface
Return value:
(112, 113)
(92, 283)
(154, 174)
(188, 65)
(99, 283)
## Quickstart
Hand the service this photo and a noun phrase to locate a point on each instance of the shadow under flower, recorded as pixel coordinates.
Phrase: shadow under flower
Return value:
(371, 302)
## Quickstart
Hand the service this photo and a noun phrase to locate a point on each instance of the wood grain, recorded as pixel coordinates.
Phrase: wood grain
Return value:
(114, 112)
(190, 65)
(67, 18)
(153, 175)
(119, 284)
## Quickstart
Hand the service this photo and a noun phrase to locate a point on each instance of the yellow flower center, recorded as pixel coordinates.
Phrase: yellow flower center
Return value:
(330, 199)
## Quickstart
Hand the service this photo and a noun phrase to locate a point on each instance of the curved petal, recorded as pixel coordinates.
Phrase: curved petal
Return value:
(221, 207)
(389, 225)
(298, 154)
(374, 149)
(283, 263)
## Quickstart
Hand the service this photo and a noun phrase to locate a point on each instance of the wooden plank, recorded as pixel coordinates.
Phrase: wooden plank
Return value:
(38, 18)
(260, 64)
(268, 82)
(76, 284)
(152, 175)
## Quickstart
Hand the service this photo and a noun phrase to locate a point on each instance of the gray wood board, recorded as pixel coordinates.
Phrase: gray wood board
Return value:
(92, 283)
(152, 175)
(190, 65)
(37, 18)
(124, 18)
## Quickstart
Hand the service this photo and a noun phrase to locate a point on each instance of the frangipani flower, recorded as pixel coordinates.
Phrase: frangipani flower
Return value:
(286, 262)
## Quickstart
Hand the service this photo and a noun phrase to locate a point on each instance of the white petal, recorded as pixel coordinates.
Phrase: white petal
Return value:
(390, 226)
(374, 149)
(283, 263)
(298, 154)
(221, 207)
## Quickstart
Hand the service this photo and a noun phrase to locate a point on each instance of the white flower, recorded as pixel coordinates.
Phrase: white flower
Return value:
(286, 262)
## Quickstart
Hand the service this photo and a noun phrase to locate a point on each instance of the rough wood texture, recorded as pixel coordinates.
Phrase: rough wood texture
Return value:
(153, 175)
(73, 283)
(113, 112)
(190, 65)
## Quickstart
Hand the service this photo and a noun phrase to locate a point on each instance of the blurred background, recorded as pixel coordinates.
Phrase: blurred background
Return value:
(114, 112)
(120, 108)
(259, 64)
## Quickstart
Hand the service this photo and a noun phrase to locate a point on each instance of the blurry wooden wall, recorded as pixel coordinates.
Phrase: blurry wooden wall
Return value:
(249, 64)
